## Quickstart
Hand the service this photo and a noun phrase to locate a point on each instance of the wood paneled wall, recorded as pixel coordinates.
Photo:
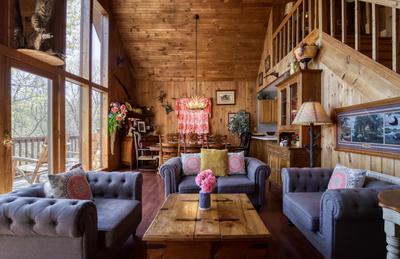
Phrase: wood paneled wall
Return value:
(146, 93)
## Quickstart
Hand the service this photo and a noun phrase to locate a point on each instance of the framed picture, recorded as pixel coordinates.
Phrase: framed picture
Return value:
(370, 128)
(226, 97)
(232, 114)
(260, 79)
(267, 64)
(141, 126)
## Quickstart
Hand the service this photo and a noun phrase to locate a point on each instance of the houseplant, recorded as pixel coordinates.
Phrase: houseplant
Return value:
(240, 123)
(206, 181)
(116, 118)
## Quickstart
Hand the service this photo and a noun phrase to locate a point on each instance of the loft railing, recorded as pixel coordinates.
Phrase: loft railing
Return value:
(371, 27)
(295, 27)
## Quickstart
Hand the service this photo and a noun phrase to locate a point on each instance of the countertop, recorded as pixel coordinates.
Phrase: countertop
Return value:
(267, 138)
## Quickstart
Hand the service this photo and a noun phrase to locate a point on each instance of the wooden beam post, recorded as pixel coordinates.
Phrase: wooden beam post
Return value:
(394, 39)
(357, 24)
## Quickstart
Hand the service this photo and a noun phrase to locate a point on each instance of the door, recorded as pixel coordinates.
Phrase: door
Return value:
(31, 127)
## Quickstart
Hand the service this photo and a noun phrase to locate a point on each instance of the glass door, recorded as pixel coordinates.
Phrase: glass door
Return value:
(283, 107)
(293, 102)
(31, 98)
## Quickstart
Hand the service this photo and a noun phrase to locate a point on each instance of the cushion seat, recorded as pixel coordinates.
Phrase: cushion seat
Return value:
(188, 185)
(235, 184)
(117, 219)
(306, 205)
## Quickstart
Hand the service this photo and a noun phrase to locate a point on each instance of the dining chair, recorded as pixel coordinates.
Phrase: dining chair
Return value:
(168, 149)
(192, 143)
(143, 154)
(218, 142)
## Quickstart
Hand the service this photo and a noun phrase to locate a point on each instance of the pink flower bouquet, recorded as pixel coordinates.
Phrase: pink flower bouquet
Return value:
(206, 180)
(117, 116)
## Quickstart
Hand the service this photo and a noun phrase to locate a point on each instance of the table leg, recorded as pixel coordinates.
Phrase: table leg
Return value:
(393, 240)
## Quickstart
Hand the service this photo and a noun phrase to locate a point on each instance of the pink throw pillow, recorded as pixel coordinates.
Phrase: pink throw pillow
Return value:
(344, 178)
(236, 163)
(191, 163)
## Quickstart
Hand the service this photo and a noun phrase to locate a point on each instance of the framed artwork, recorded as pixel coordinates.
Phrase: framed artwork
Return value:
(141, 126)
(260, 79)
(226, 97)
(267, 64)
(370, 128)
(232, 114)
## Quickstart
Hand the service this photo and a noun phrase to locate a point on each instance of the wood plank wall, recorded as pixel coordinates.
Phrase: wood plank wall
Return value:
(146, 93)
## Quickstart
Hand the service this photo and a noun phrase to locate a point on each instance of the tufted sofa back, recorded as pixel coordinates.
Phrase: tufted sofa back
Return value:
(115, 185)
(306, 179)
(35, 190)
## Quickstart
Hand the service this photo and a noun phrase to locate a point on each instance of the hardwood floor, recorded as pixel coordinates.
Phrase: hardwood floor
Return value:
(288, 242)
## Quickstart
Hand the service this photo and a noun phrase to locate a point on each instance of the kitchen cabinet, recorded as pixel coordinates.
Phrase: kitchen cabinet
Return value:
(268, 111)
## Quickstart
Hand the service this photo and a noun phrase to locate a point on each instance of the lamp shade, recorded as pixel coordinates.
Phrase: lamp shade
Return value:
(311, 112)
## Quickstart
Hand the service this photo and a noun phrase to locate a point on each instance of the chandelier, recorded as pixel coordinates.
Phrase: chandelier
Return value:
(196, 102)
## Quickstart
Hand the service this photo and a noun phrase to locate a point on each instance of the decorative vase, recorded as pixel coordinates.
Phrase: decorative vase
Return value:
(204, 200)
(112, 141)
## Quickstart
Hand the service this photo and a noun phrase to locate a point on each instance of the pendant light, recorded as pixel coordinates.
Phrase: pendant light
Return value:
(196, 102)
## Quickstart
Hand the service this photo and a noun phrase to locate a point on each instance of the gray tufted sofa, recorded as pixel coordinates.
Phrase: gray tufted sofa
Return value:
(32, 226)
(253, 184)
(343, 223)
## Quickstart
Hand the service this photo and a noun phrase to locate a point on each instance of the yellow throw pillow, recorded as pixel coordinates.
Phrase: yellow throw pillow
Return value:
(216, 160)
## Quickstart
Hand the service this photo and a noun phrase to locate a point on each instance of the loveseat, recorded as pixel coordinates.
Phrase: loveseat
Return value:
(33, 226)
(341, 223)
(252, 183)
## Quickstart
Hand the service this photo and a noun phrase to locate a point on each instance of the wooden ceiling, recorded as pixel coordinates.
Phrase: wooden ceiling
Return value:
(159, 36)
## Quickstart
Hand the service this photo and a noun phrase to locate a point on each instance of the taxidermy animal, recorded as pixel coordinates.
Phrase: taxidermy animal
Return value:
(39, 22)
(19, 39)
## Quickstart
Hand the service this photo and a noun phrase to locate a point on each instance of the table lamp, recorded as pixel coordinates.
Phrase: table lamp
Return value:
(310, 114)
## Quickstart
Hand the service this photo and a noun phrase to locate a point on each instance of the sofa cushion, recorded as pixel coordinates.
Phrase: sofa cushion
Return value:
(216, 160)
(236, 163)
(188, 185)
(191, 163)
(117, 219)
(306, 205)
(235, 184)
(344, 177)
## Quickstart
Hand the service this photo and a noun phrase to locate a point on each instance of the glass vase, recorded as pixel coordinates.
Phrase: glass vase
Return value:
(204, 200)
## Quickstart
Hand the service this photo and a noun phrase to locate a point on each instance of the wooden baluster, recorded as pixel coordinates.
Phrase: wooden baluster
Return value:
(374, 34)
(280, 46)
(303, 26)
(293, 32)
(394, 39)
(310, 16)
(344, 22)
(26, 148)
(357, 24)
(288, 33)
(297, 27)
(316, 16)
(32, 148)
(284, 47)
(333, 18)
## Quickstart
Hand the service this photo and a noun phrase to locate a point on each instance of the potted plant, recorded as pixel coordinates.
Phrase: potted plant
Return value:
(206, 181)
(304, 53)
(240, 123)
(116, 118)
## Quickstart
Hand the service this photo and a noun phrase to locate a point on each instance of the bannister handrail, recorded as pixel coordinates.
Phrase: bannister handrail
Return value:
(287, 17)
(387, 3)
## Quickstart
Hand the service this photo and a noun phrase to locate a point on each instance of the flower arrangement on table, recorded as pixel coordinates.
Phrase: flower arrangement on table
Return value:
(206, 181)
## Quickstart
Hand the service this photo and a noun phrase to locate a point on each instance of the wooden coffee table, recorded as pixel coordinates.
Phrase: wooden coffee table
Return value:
(230, 229)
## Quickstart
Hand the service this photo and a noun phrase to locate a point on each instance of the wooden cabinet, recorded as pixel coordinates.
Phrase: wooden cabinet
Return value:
(268, 111)
(302, 86)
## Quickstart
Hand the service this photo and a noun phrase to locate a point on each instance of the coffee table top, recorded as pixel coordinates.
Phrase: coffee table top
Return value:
(231, 217)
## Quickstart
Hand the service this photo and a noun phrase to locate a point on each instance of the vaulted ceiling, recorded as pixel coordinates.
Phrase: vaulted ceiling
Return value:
(159, 36)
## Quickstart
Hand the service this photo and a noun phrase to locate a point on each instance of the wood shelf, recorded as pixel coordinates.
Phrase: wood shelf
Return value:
(43, 56)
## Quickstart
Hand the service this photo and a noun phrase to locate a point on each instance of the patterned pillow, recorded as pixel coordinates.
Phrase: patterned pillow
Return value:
(191, 163)
(236, 163)
(70, 185)
(344, 177)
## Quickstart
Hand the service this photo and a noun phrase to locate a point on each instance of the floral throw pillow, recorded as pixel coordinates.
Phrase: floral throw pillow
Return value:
(236, 163)
(344, 178)
(70, 185)
(191, 163)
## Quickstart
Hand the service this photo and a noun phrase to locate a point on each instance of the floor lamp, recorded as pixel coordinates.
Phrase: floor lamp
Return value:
(311, 114)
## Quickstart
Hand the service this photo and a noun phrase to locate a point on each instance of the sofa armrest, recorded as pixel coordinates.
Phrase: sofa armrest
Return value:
(257, 172)
(35, 190)
(170, 171)
(27, 216)
(350, 221)
(305, 179)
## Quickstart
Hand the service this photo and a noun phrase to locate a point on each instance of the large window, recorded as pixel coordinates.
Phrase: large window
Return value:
(30, 125)
(73, 124)
(99, 129)
(77, 37)
(99, 45)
